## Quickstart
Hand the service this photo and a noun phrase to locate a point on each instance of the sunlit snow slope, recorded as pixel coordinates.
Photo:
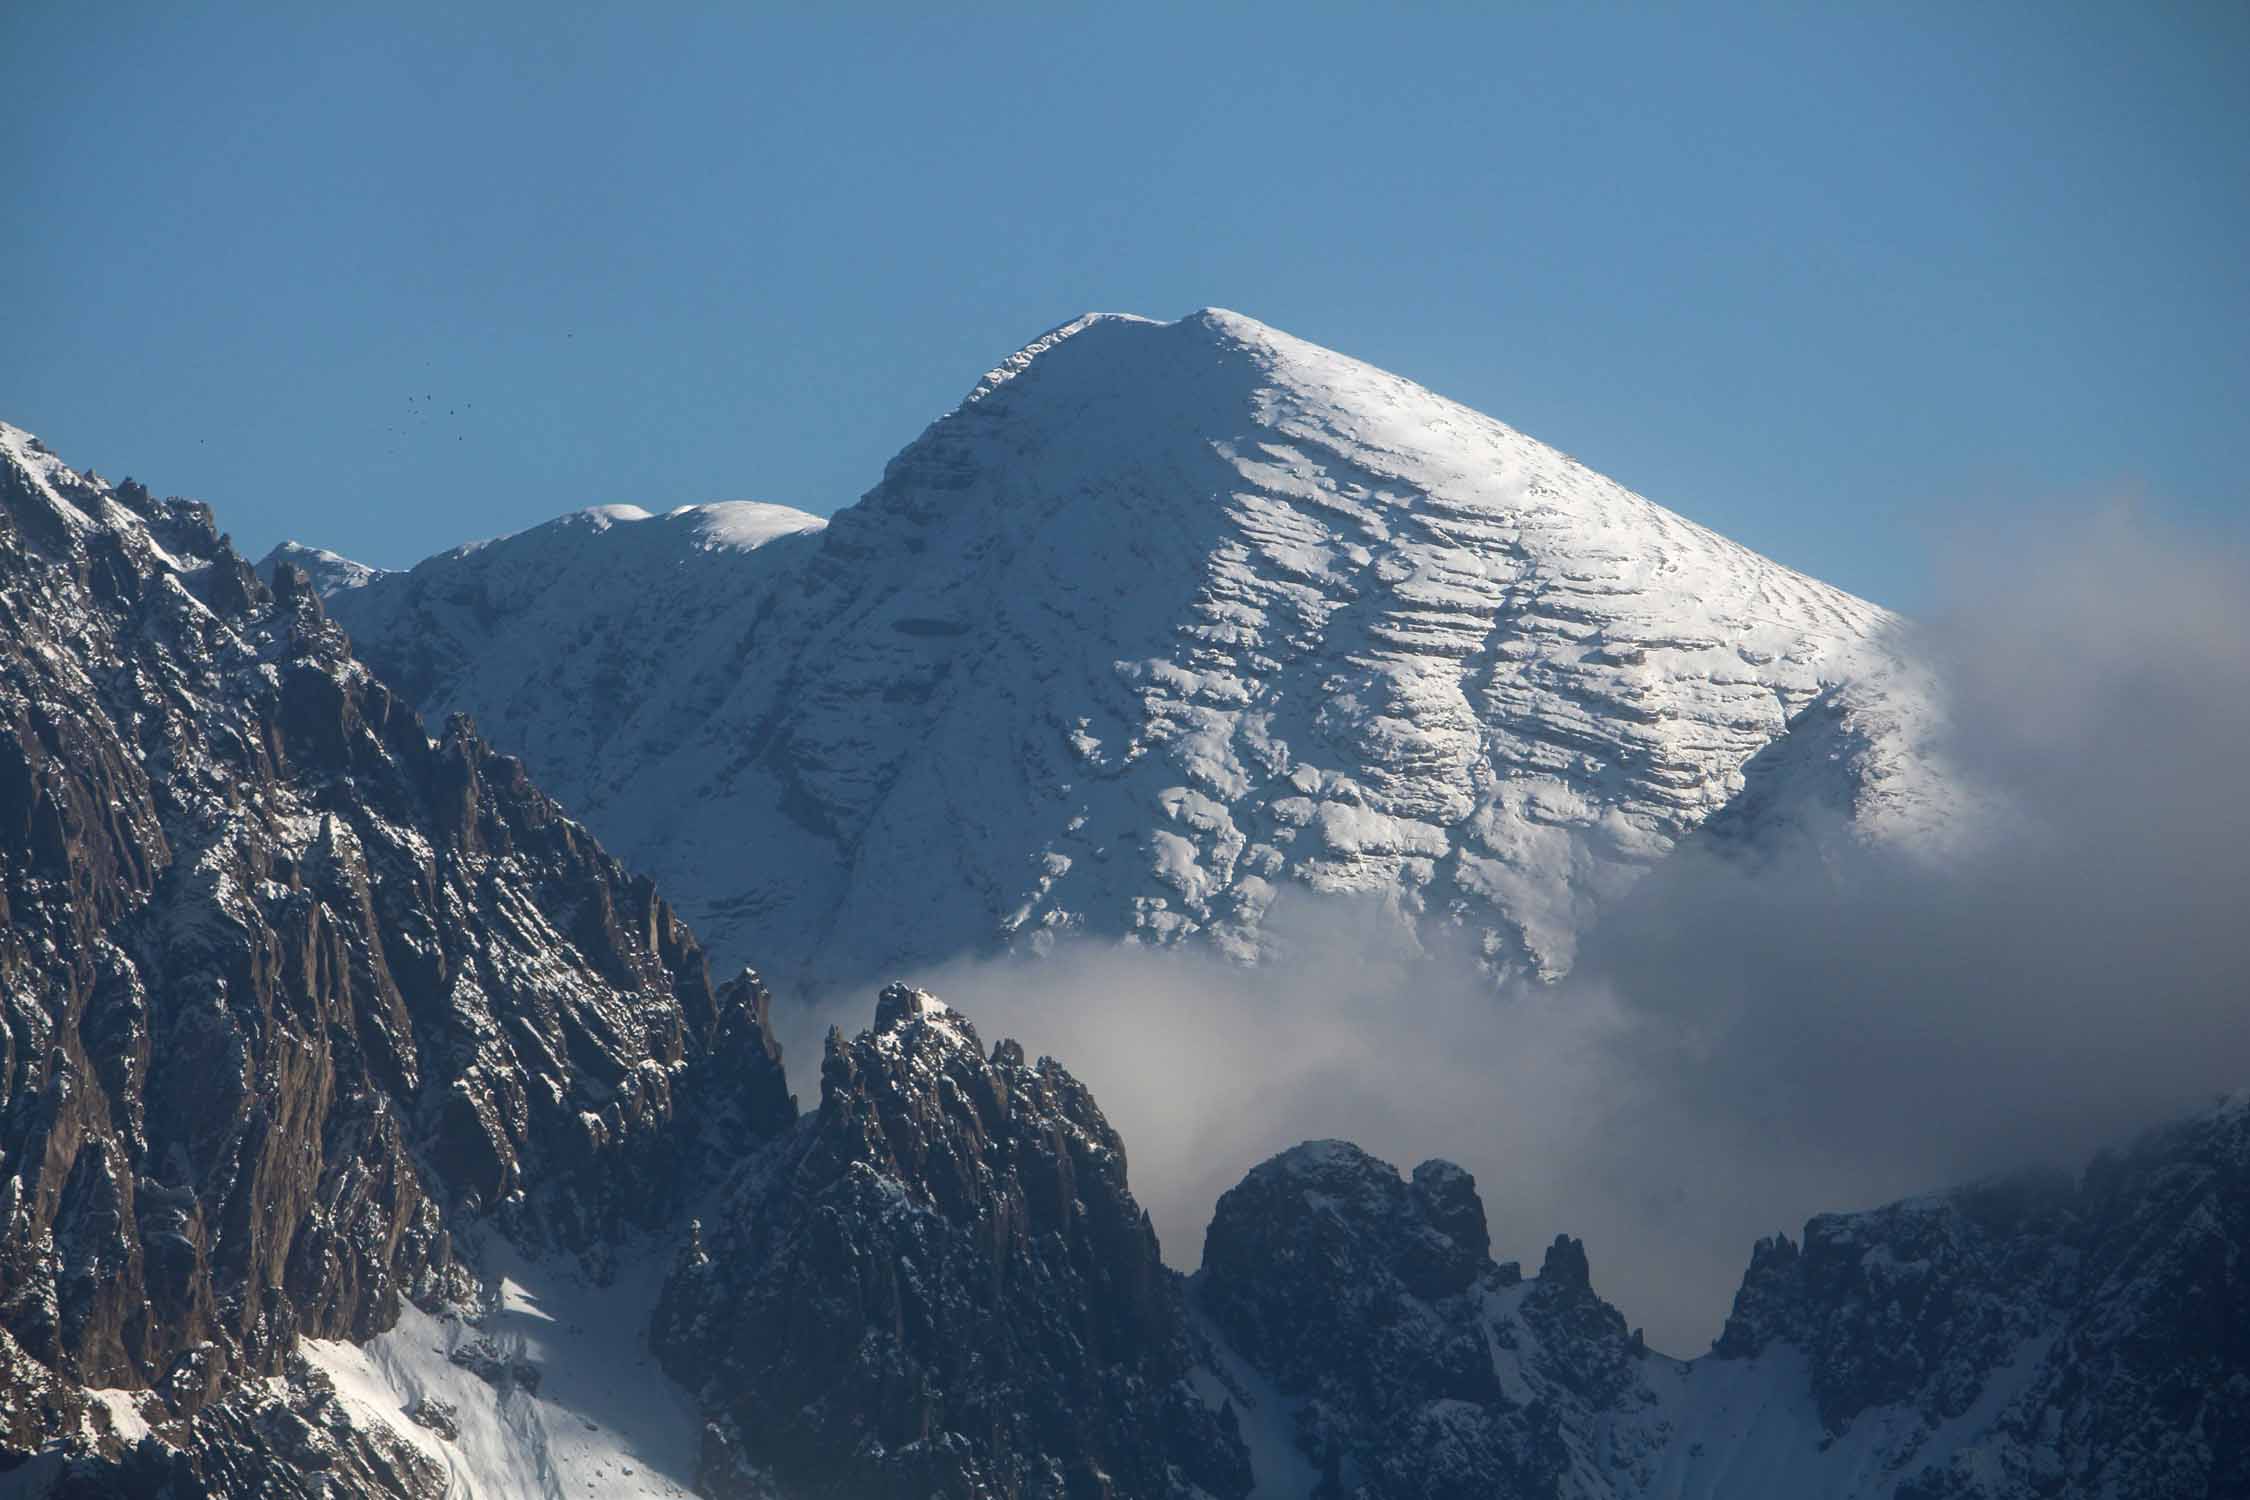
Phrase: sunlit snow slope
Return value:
(1164, 619)
(331, 572)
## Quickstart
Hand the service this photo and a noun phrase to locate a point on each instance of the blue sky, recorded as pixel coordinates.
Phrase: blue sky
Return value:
(1838, 284)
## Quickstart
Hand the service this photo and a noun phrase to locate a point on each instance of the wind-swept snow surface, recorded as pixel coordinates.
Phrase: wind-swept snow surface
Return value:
(1166, 618)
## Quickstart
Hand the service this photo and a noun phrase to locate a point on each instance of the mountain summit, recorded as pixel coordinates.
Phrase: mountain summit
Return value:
(1166, 619)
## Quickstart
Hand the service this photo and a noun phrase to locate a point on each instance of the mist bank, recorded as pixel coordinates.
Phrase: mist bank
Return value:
(1749, 1039)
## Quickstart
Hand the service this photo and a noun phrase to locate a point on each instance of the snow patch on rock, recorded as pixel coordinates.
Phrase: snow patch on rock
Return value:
(549, 1390)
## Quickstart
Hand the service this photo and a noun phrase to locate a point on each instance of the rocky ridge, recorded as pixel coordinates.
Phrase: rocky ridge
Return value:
(293, 992)
(331, 572)
(2039, 1335)
(941, 1285)
(2097, 1326)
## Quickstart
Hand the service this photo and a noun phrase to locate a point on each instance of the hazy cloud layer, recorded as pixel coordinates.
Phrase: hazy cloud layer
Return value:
(1741, 1048)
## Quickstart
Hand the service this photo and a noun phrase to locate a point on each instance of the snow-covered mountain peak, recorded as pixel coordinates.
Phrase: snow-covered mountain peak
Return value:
(738, 525)
(602, 517)
(1247, 379)
(330, 572)
(1016, 363)
(74, 511)
(1163, 620)
(75, 502)
(742, 525)
(25, 449)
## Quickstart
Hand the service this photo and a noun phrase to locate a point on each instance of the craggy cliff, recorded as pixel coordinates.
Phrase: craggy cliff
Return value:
(289, 986)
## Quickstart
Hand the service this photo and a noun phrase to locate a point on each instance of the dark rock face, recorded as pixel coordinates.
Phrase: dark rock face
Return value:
(941, 1285)
(1582, 1347)
(2036, 1336)
(286, 986)
(2126, 1292)
(1367, 1296)
(1917, 1302)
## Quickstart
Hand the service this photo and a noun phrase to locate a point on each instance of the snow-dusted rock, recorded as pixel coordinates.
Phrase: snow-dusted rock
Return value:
(897, 1276)
(331, 573)
(589, 636)
(1163, 619)
(1360, 1297)
(2039, 1335)
(2034, 1335)
(941, 1285)
(290, 994)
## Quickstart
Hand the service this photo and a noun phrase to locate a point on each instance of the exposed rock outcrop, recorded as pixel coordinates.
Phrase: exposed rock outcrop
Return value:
(291, 987)
(2092, 1333)
(1366, 1299)
(941, 1285)
(2034, 1336)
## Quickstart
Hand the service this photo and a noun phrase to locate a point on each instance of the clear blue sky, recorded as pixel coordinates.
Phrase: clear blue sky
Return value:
(1828, 282)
